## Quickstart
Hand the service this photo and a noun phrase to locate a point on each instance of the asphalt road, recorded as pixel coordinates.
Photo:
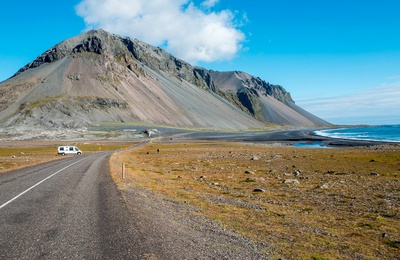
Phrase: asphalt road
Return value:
(69, 208)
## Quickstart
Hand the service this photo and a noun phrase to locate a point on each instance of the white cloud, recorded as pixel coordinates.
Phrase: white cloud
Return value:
(180, 26)
(379, 105)
(209, 3)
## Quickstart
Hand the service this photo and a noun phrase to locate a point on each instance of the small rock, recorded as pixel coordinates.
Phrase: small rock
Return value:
(374, 174)
(258, 190)
(291, 181)
(323, 186)
(252, 179)
(297, 172)
(180, 177)
(249, 172)
(255, 158)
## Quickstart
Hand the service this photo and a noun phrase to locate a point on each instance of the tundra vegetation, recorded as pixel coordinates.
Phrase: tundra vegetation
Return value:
(340, 203)
(22, 154)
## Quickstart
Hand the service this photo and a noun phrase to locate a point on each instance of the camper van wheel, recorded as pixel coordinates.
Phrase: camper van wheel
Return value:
(63, 154)
(78, 153)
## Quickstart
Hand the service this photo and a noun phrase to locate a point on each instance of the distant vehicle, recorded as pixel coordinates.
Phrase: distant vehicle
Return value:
(63, 150)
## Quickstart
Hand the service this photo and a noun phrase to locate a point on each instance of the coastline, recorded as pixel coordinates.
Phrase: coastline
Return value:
(283, 136)
(310, 136)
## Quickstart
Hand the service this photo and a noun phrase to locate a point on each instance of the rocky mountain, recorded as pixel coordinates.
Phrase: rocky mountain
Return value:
(264, 101)
(100, 77)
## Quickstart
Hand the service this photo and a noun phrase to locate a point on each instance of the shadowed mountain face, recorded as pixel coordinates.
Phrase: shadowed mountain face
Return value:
(101, 77)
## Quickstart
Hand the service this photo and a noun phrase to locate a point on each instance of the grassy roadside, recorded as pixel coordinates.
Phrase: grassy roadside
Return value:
(22, 154)
(305, 203)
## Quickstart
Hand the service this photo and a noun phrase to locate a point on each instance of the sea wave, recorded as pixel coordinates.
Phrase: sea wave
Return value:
(387, 133)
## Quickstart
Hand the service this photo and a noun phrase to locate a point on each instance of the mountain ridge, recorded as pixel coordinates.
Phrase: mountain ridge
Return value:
(102, 77)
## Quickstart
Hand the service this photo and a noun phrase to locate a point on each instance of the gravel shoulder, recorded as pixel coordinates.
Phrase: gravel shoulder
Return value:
(173, 230)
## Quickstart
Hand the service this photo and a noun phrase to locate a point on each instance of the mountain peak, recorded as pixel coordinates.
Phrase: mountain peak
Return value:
(90, 41)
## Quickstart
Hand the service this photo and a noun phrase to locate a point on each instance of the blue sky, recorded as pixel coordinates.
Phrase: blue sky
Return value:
(339, 59)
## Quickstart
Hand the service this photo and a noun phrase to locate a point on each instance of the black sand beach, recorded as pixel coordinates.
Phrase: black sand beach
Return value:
(280, 136)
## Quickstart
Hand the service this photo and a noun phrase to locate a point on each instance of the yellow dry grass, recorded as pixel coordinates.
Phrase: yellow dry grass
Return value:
(315, 203)
(17, 155)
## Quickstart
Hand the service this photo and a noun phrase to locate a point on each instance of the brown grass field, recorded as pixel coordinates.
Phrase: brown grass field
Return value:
(340, 203)
(313, 203)
(14, 155)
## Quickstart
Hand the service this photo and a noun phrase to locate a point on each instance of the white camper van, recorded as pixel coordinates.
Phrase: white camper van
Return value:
(63, 150)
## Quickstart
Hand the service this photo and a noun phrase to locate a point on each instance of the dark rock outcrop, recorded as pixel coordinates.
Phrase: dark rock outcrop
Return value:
(49, 56)
(91, 44)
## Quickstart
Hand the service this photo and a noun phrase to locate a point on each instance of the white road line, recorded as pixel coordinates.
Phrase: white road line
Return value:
(22, 193)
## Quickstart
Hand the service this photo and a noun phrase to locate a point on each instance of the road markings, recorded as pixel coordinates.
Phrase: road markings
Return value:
(40, 182)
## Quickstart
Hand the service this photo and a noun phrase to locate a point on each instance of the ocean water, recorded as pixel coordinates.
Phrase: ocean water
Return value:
(310, 145)
(384, 133)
